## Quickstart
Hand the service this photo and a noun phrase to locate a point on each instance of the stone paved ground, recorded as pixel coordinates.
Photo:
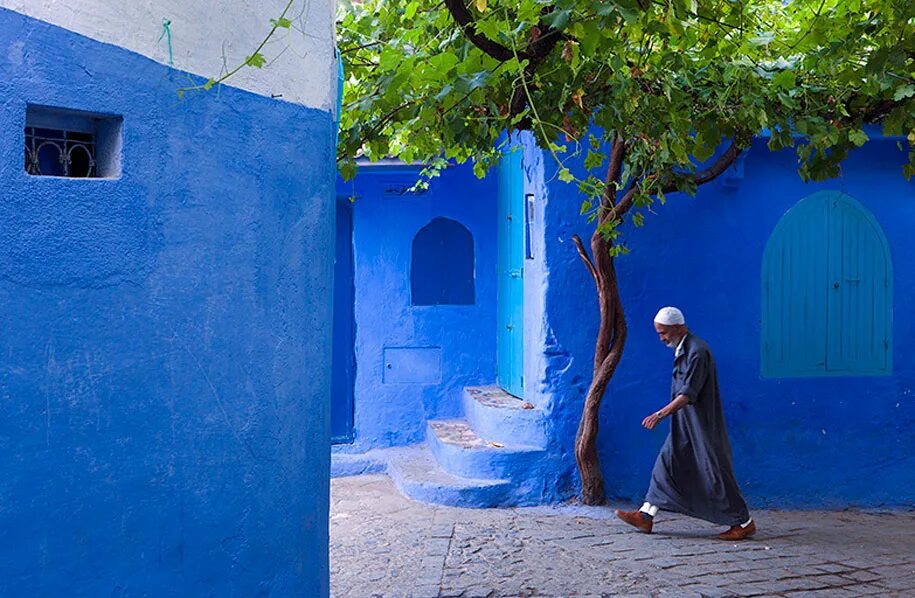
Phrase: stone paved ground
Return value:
(384, 545)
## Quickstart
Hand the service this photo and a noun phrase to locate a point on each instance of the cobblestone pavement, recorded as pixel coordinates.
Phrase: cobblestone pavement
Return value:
(384, 545)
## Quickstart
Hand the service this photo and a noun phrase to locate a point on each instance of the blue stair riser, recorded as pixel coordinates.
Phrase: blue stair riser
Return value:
(479, 497)
(520, 426)
(487, 463)
(343, 465)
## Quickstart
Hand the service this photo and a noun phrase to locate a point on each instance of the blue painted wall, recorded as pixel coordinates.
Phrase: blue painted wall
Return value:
(434, 350)
(164, 337)
(816, 442)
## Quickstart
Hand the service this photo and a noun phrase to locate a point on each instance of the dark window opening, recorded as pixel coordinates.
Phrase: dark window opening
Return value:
(67, 143)
(442, 272)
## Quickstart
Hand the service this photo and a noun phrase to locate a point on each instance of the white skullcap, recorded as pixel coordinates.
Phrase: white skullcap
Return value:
(669, 316)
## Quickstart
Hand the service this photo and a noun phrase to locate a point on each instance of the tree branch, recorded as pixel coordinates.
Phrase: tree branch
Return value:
(878, 111)
(699, 178)
(712, 172)
(617, 153)
(464, 18)
(586, 259)
(536, 51)
(359, 47)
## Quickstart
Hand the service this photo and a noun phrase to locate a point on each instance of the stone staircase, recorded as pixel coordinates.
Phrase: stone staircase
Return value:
(495, 456)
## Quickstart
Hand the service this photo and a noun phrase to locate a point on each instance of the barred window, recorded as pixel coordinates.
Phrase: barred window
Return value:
(68, 143)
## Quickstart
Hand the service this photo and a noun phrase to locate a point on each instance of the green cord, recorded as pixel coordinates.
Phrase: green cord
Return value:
(167, 33)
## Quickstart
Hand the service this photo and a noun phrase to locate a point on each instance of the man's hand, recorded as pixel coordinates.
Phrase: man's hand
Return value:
(651, 421)
(677, 404)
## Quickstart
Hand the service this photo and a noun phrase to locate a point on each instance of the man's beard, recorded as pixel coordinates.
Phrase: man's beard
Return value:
(672, 344)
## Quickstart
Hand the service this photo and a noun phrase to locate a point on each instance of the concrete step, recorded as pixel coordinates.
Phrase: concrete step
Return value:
(347, 464)
(496, 415)
(460, 451)
(418, 475)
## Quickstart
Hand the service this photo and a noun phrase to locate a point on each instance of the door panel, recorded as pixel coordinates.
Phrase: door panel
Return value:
(510, 270)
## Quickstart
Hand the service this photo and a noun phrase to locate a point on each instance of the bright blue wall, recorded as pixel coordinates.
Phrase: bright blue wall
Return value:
(823, 442)
(164, 337)
(434, 350)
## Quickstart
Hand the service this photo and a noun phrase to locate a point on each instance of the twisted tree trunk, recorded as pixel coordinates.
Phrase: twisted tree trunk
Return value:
(611, 334)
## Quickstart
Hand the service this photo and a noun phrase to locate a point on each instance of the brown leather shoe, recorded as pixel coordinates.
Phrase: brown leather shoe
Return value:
(737, 533)
(635, 519)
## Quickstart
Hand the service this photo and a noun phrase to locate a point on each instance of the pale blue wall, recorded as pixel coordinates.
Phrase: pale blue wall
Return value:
(456, 342)
(820, 442)
(164, 337)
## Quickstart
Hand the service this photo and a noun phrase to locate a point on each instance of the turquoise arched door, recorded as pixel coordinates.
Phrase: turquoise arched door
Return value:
(510, 275)
(827, 292)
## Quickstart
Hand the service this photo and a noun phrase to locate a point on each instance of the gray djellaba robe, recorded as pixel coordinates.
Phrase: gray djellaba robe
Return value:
(694, 473)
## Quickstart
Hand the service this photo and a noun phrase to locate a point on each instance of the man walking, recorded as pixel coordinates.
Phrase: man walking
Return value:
(693, 474)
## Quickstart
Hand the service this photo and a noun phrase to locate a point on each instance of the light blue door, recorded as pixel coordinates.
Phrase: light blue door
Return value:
(827, 292)
(510, 269)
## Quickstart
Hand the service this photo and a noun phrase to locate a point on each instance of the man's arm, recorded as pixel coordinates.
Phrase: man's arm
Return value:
(677, 404)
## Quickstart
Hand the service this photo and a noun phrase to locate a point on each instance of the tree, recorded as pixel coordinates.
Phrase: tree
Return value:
(653, 96)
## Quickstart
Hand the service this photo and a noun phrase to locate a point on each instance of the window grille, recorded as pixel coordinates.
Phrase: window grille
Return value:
(56, 152)
(72, 143)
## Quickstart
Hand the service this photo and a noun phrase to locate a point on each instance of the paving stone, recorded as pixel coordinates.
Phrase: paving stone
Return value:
(905, 583)
(833, 568)
(385, 546)
(713, 592)
(832, 593)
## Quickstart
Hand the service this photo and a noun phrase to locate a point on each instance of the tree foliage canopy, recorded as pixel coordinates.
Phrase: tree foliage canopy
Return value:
(678, 80)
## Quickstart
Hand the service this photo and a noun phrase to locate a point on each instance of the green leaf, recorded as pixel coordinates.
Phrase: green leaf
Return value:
(558, 19)
(594, 159)
(209, 84)
(585, 207)
(281, 22)
(858, 137)
(762, 39)
(347, 169)
(903, 92)
(489, 28)
(908, 171)
(256, 60)
(785, 79)
(565, 175)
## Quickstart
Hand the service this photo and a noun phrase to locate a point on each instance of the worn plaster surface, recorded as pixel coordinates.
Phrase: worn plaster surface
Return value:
(206, 41)
(386, 546)
(165, 336)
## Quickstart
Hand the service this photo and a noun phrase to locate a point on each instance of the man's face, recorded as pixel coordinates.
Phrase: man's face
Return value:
(669, 335)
